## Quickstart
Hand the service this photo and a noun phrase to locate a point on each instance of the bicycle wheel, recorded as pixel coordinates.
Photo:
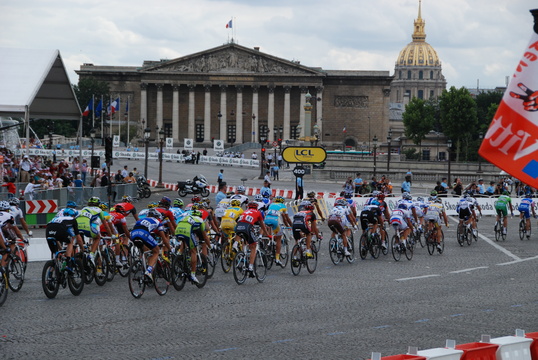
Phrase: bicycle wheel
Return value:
(111, 263)
(351, 249)
(431, 242)
(469, 236)
(15, 273)
(50, 279)
(459, 234)
(312, 263)
(333, 251)
(260, 266)
(269, 254)
(137, 283)
(240, 268)
(125, 259)
(202, 270)
(3, 287)
(87, 267)
(385, 250)
(101, 269)
(395, 247)
(161, 277)
(522, 229)
(75, 280)
(419, 238)
(409, 249)
(442, 243)
(498, 230)
(503, 234)
(375, 245)
(284, 251)
(212, 259)
(296, 261)
(226, 257)
(363, 246)
(179, 276)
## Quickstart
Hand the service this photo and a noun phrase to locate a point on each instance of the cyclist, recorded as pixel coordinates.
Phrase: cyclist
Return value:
(9, 230)
(63, 229)
(463, 208)
(144, 212)
(191, 228)
(433, 212)
(168, 220)
(384, 207)
(311, 196)
(102, 229)
(127, 204)
(229, 219)
(474, 204)
(222, 206)
(371, 214)
(266, 197)
(177, 209)
(117, 217)
(401, 220)
(340, 217)
(276, 211)
(194, 200)
(352, 204)
(144, 230)
(262, 206)
(240, 195)
(420, 206)
(89, 220)
(525, 207)
(501, 207)
(305, 222)
(18, 215)
(245, 227)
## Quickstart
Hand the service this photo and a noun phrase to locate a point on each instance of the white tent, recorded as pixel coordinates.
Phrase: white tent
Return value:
(34, 84)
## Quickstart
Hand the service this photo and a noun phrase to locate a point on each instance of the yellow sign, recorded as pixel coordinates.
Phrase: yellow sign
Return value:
(310, 154)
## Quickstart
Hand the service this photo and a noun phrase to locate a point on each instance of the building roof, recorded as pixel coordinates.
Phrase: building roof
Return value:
(36, 80)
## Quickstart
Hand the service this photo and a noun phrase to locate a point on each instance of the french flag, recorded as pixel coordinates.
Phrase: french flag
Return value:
(88, 109)
(114, 106)
(229, 25)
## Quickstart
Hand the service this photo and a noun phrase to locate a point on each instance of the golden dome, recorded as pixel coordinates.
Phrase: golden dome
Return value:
(418, 52)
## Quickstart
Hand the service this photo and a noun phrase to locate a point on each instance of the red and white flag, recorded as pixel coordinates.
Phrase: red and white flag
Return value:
(511, 141)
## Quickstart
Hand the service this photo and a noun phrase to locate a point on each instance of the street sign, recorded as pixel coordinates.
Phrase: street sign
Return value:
(299, 171)
(169, 143)
(307, 154)
(116, 141)
(218, 145)
(188, 144)
(275, 144)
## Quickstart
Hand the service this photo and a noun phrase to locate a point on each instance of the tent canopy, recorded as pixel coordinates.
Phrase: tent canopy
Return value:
(37, 80)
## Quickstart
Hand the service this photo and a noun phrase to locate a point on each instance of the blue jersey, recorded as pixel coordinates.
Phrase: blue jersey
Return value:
(178, 213)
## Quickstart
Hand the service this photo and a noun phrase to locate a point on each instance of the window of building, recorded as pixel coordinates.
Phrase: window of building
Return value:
(231, 134)
(409, 74)
(167, 130)
(200, 132)
(294, 132)
(420, 94)
(431, 94)
(431, 74)
(400, 74)
(420, 75)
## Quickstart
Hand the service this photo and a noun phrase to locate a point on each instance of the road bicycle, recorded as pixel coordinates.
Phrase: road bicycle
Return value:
(523, 229)
(15, 268)
(299, 258)
(431, 240)
(268, 245)
(465, 232)
(138, 280)
(3, 282)
(316, 241)
(181, 268)
(336, 249)
(398, 248)
(370, 242)
(124, 252)
(241, 264)
(55, 274)
(499, 230)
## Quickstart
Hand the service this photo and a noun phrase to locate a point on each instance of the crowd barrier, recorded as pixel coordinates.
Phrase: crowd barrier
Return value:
(519, 347)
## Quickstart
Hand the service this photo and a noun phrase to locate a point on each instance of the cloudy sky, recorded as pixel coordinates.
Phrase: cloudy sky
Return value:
(475, 39)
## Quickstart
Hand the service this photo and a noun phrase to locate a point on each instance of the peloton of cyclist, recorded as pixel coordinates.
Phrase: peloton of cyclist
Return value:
(525, 207)
(245, 229)
(304, 222)
(9, 230)
(276, 211)
(371, 214)
(229, 219)
(127, 204)
(340, 217)
(401, 220)
(501, 207)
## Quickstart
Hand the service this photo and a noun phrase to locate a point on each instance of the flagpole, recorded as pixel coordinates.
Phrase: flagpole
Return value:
(93, 111)
(118, 116)
(128, 140)
(101, 118)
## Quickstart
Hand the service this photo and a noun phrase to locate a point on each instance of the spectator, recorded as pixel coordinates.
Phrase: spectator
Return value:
(499, 189)
(481, 187)
(29, 191)
(410, 174)
(299, 188)
(358, 184)
(373, 184)
(458, 186)
(124, 172)
(348, 186)
(266, 188)
(205, 154)
(406, 185)
(444, 184)
(267, 178)
(25, 168)
(84, 170)
(129, 179)
(275, 171)
(11, 188)
(119, 177)
(441, 190)
(221, 194)
(220, 177)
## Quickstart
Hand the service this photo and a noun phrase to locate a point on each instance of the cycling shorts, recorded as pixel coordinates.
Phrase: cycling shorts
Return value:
(501, 210)
(433, 217)
(58, 233)
(525, 210)
(227, 225)
(190, 241)
(246, 231)
(274, 224)
(145, 236)
(335, 225)
(298, 228)
(367, 217)
(398, 222)
(464, 213)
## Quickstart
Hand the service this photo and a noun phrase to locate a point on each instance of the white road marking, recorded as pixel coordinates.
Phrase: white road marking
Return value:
(418, 277)
(492, 243)
(518, 261)
(466, 270)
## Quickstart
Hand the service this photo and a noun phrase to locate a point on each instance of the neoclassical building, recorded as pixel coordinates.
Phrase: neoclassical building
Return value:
(238, 94)
(418, 70)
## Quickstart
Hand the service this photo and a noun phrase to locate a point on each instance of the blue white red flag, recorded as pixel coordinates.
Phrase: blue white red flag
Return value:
(88, 109)
(127, 107)
(99, 108)
(344, 129)
(229, 25)
(511, 141)
(114, 106)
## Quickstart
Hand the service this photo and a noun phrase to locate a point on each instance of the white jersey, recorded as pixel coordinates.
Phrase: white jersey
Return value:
(17, 213)
(419, 207)
(6, 218)
(340, 213)
(241, 197)
(463, 203)
(221, 207)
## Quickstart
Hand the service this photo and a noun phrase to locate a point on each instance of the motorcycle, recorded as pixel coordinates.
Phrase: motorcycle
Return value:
(198, 185)
(143, 188)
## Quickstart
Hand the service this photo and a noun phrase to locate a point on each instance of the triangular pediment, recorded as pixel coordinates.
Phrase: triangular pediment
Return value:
(231, 59)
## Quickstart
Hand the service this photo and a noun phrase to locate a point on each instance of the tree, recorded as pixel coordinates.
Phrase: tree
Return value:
(418, 120)
(458, 117)
(484, 100)
(84, 91)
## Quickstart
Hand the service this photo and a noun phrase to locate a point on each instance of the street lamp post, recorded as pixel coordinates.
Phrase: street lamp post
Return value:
(374, 140)
(389, 139)
(449, 145)
(480, 136)
(253, 128)
(92, 137)
(161, 143)
(147, 134)
(262, 155)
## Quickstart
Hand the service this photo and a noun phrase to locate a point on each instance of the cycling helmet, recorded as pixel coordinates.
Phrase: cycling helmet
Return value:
(266, 193)
(127, 198)
(506, 192)
(196, 199)
(206, 200)
(71, 204)
(118, 208)
(465, 195)
(311, 194)
(307, 205)
(195, 207)
(165, 201)
(94, 200)
(420, 198)
(14, 201)
(433, 193)
(229, 194)
(4, 206)
(381, 196)
(407, 196)
(348, 195)
(152, 205)
(241, 189)
(196, 213)
(178, 203)
(103, 206)
(439, 200)
(340, 202)
(252, 205)
(70, 212)
(278, 199)
(154, 214)
(258, 197)
(235, 203)
(376, 192)
(402, 206)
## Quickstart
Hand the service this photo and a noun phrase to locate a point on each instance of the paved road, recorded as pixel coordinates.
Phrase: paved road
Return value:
(344, 311)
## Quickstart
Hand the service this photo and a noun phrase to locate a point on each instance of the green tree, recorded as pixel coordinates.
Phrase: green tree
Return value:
(84, 91)
(418, 120)
(458, 118)
(484, 100)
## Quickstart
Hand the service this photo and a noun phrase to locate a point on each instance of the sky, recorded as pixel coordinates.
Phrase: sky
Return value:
(478, 41)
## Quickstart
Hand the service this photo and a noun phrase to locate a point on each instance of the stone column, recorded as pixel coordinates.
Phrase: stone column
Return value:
(271, 113)
(175, 112)
(239, 115)
(304, 89)
(255, 112)
(159, 117)
(207, 113)
(222, 133)
(190, 127)
(319, 109)
(143, 109)
(286, 133)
